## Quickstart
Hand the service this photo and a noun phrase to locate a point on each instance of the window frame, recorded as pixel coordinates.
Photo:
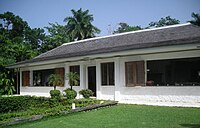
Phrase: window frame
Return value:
(41, 72)
(109, 80)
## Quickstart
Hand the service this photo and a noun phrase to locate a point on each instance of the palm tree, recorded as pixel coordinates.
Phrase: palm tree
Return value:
(55, 80)
(196, 20)
(79, 26)
(73, 78)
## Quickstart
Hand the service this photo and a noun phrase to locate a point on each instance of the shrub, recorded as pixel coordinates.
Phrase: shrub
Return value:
(25, 106)
(86, 93)
(30, 103)
(15, 103)
(55, 94)
(70, 93)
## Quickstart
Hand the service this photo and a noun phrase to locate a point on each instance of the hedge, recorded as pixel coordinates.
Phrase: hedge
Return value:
(24, 103)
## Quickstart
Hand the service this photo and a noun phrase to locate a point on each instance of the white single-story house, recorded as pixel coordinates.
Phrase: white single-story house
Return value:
(158, 65)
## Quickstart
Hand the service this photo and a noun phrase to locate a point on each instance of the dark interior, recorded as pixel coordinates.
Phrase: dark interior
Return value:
(174, 72)
(92, 79)
(40, 77)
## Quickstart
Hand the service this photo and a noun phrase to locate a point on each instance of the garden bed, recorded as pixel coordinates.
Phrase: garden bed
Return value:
(122, 116)
(26, 108)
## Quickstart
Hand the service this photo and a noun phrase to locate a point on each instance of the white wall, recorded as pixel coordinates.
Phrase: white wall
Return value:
(156, 94)
(120, 92)
(38, 91)
(160, 94)
(144, 95)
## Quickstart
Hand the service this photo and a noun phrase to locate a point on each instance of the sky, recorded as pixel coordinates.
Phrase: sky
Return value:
(107, 13)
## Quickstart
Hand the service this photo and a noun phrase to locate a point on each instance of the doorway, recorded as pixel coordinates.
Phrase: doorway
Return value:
(92, 79)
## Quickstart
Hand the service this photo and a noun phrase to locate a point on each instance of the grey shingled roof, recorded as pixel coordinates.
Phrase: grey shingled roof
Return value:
(175, 35)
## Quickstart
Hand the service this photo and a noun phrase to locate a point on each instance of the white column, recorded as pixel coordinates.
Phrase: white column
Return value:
(117, 78)
(82, 76)
(98, 79)
(31, 78)
(66, 80)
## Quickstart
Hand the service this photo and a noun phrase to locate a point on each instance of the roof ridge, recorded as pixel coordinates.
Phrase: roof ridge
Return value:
(125, 33)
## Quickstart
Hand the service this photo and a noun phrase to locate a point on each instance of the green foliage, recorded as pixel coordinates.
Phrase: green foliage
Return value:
(86, 93)
(73, 78)
(12, 26)
(6, 84)
(18, 42)
(196, 19)
(84, 102)
(164, 22)
(24, 103)
(57, 36)
(10, 104)
(22, 51)
(55, 94)
(79, 26)
(70, 93)
(35, 37)
(124, 27)
(25, 106)
(56, 80)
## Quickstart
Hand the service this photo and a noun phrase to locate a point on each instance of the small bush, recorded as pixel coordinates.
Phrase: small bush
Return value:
(86, 93)
(70, 94)
(55, 94)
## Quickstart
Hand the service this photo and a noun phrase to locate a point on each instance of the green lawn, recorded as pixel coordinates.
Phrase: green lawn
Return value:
(123, 116)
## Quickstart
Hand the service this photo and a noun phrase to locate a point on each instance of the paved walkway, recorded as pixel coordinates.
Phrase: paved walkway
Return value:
(170, 104)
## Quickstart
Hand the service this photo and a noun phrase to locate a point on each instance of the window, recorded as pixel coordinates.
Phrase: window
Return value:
(40, 77)
(76, 69)
(135, 74)
(173, 72)
(25, 78)
(107, 74)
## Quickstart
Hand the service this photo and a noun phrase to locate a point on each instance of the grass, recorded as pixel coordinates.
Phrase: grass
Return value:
(123, 116)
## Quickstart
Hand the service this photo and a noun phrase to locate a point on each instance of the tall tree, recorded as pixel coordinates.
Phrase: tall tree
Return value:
(18, 42)
(35, 37)
(17, 39)
(164, 22)
(124, 27)
(196, 19)
(57, 36)
(22, 51)
(79, 26)
(13, 25)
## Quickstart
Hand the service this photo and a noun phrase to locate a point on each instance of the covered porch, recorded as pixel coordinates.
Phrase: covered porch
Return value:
(114, 79)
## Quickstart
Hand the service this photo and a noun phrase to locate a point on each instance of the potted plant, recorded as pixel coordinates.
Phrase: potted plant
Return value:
(150, 83)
